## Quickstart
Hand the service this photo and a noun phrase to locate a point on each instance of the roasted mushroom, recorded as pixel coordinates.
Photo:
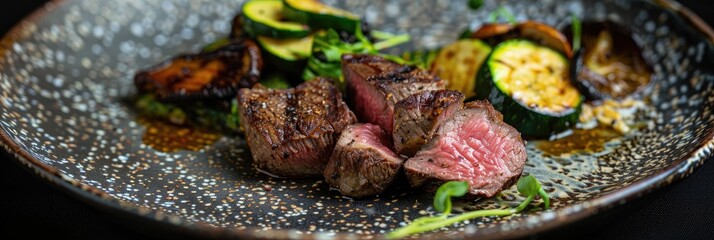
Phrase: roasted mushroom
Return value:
(543, 34)
(215, 75)
(237, 27)
(493, 33)
(610, 63)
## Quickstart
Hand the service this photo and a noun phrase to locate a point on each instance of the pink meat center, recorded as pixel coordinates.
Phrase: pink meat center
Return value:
(372, 136)
(373, 107)
(472, 152)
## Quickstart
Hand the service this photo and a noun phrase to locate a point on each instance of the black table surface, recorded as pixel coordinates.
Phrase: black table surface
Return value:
(683, 210)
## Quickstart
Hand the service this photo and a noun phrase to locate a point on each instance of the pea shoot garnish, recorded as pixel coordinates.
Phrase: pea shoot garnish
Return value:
(528, 187)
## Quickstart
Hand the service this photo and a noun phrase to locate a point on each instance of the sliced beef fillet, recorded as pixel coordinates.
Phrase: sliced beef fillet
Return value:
(362, 163)
(473, 145)
(417, 117)
(292, 132)
(375, 84)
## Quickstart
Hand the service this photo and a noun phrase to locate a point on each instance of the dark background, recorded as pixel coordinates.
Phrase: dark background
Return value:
(683, 210)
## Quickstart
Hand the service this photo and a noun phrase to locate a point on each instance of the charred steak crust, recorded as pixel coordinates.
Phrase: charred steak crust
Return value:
(473, 145)
(375, 84)
(213, 75)
(292, 132)
(417, 117)
(362, 163)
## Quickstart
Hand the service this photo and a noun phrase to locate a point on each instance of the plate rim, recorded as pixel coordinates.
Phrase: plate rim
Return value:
(679, 169)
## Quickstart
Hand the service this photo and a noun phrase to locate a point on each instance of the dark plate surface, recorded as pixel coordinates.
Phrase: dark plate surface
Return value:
(70, 69)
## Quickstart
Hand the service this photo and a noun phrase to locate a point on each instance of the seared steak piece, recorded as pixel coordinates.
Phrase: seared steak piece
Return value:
(473, 145)
(417, 117)
(362, 163)
(375, 84)
(292, 132)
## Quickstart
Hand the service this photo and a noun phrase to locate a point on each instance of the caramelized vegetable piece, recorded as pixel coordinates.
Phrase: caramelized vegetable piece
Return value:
(237, 26)
(495, 33)
(610, 65)
(529, 83)
(265, 18)
(212, 75)
(459, 63)
(546, 36)
(320, 16)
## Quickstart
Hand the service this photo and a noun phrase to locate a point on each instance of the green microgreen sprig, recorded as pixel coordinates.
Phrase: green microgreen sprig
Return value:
(528, 187)
(577, 32)
(332, 47)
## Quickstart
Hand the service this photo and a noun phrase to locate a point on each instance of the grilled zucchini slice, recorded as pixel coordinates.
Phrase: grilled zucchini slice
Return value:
(288, 56)
(265, 18)
(459, 63)
(530, 85)
(320, 16)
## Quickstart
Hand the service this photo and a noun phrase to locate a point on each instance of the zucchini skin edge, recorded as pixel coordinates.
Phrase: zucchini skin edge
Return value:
(529, 122)
(320, 20)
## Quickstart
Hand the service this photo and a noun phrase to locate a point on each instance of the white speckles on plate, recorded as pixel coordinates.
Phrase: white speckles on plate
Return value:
(65, 78)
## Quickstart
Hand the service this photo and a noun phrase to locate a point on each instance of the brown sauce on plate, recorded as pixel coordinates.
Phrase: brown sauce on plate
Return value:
(580, 141)
(167, 137)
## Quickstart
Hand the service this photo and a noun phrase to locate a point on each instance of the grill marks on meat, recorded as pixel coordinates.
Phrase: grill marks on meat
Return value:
(214, 75)
(292, 132)
(417, 117)
(362, 163)
(473, 145)
(375, 85)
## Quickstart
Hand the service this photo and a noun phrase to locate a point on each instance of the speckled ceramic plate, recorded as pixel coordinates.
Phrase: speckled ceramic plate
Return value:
(66, 71)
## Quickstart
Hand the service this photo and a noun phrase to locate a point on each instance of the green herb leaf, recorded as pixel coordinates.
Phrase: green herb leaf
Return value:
(275, 81)
(466, 33)
(332, 54)
(528, 186)
(215, 45)
(333, 36)
(233, 118)
(545, 197)
(442, 199)
(391, 42)
(329, 45)
(502, 12)
(420, 58)
(379, 35)
(577, 32)
(475, 4)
